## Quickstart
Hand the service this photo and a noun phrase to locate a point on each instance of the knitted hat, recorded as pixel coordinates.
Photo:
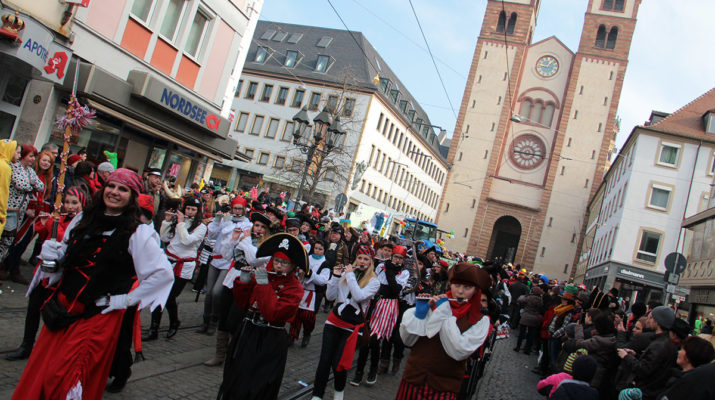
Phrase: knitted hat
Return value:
(584, 368)
(239, 200)
(570, 292)
(630, 394)
(664, 316)
(73, 159)
(568, 365)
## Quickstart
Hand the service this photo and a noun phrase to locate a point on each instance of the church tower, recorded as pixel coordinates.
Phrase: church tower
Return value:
(533, 134)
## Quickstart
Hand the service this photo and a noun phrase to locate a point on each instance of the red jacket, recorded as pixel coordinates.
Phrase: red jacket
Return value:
(277, 302)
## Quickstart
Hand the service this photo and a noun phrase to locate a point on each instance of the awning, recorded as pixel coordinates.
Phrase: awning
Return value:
(154, 131)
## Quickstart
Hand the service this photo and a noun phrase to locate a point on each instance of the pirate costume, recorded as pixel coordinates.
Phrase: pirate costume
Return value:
(90, 294)
(257, 355)
(319, 275)
(352, 293)
(442, 338)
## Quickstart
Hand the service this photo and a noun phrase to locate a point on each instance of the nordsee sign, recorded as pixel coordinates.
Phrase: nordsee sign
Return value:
(179, 102)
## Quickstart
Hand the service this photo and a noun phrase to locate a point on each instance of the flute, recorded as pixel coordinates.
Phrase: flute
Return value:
(269, 272)
(458, 300)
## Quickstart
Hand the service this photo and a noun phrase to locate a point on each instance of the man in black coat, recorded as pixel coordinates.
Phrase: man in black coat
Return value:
(517, 289)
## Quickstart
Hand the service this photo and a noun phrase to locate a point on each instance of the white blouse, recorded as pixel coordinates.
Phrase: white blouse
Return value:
(183, 244)
(340, 287)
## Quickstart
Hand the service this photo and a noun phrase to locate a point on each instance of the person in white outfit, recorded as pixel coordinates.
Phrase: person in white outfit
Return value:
(320, 274)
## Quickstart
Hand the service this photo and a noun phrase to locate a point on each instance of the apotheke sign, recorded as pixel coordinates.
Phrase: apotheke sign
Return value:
(179, 102)
(39, 49)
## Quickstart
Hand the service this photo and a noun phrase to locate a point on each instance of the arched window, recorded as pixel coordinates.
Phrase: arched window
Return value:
(536, 112)
(612, 36)
(525, 109)
(512, 24)
(548, 114)
(502, 22)
(601, 36)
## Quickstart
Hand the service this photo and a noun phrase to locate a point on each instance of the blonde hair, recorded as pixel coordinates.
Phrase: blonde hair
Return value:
(369, 274)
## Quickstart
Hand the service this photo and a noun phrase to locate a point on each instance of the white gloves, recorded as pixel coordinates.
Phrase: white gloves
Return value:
(52, 250)
(245, 275)
(261, 276)
(116, 302)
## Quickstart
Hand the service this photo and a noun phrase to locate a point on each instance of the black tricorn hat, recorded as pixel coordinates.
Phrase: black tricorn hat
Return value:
(286, 244)
(261, 217)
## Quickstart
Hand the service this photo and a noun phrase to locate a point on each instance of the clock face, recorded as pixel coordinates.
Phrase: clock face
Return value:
(547, 66)
(527, 151)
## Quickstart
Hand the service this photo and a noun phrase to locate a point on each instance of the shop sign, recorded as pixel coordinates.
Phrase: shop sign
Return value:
(178, 102)
(628, 272)
(39, 49)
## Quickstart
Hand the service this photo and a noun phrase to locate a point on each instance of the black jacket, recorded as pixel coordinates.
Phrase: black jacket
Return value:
(652, 368)
(570, 389)
(696, 384)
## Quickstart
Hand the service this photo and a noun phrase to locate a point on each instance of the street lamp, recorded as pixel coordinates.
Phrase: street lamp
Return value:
(325, 132)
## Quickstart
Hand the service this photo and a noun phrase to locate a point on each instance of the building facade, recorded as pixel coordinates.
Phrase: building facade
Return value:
(156, 71)
(661, 177)
(533, 134)
(389, 159)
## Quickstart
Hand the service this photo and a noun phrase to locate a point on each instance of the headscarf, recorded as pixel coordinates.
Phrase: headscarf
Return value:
(127, 177)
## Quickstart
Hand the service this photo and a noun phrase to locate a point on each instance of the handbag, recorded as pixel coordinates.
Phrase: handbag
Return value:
(12, 222)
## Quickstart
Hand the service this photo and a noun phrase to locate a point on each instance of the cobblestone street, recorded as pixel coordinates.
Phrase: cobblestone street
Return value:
(173, 368)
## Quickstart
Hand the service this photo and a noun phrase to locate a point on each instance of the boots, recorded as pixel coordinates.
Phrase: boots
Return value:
(306, 340)
(396, 365)
(221, 348)
(211, 328)
(204, 326)
(153, 332)
(382, 368)
(21, 353)
(174, 322)
(173, 329)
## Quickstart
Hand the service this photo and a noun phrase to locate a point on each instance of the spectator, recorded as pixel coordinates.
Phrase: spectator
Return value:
(530, 319)
(696, 380)
(602, 346)
(7, 153)
(652, 368)
(584, 370)
(708, 328)
(517, 289)
(103, 171)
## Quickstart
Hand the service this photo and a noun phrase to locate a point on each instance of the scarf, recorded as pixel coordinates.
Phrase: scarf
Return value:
(467, 308)
(563, 309)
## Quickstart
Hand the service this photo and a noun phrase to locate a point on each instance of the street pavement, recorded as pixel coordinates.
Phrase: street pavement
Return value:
(173, 368)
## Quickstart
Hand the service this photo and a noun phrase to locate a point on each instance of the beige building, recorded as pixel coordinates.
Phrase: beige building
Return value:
(533, 134)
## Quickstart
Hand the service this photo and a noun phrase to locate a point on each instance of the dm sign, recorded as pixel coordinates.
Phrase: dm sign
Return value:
(179, 102)
(38, 48)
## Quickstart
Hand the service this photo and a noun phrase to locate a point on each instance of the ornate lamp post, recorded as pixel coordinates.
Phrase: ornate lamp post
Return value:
(325, 136)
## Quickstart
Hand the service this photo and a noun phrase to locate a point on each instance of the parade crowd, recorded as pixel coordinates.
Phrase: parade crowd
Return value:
(121, 242)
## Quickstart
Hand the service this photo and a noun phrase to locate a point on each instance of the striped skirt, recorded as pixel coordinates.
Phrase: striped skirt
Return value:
(407, 391)
(384, 318)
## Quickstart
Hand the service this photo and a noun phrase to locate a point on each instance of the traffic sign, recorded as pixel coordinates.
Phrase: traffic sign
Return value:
(675, 262)
(672, 278)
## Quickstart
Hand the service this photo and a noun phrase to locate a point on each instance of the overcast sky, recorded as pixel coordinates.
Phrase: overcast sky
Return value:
(671, 60)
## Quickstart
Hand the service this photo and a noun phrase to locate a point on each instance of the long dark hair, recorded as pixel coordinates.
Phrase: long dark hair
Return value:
(198, 219)
(92, 215)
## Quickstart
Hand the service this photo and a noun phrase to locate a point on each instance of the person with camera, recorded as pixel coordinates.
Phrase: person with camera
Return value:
(184, 231)
(95, 264)
(220, 230)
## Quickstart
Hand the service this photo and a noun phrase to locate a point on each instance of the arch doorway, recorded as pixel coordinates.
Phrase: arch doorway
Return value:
(505, 239)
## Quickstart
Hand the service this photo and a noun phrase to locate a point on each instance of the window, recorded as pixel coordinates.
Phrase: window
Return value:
(272, 128)
(261, 55)
(257, 125)
(142, 9)
(322, 64)
(314, 101)
(394, 94)
(615, 5)
(263, 158)
(174, 9)
(267, 35)
(648, 248)
(267, 90)
(196, 33)
(291, 58)
(251, 92)
(668, 155)
(296, 165)
(279, 162)
(294, 38)
(501, 24)
(287, 131)
(601, 37)
(612, 37)
(333, 105)
(282, 95)
(242, 121)
(349, 107)
(659, 197)
(248, 153)
(238, 88)
(324, 41)
(279, 36)
(512, 24)
(297, 98)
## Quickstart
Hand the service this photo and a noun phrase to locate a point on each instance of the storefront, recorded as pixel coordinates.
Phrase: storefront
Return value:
(28, 51)
(148, 122)
(638, 284)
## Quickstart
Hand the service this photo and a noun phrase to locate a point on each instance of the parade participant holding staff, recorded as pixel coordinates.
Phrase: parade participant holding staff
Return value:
(306, 309)
(270, 296)
(184, 232)
(444, 331)
(351, 287)
(100, 253)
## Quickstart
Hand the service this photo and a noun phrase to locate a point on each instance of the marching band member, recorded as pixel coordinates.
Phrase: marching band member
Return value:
(306, 309)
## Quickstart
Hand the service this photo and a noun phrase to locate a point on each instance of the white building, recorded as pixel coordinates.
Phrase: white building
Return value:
(387, 132)
(661, 176)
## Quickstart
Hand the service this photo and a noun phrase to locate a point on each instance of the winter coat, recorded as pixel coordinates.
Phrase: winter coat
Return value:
(638, 343)
(532, 310)
(7, 151)
(517, 289)
(695, 384)
(571, 389)
(652, 368)
(603, 349)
